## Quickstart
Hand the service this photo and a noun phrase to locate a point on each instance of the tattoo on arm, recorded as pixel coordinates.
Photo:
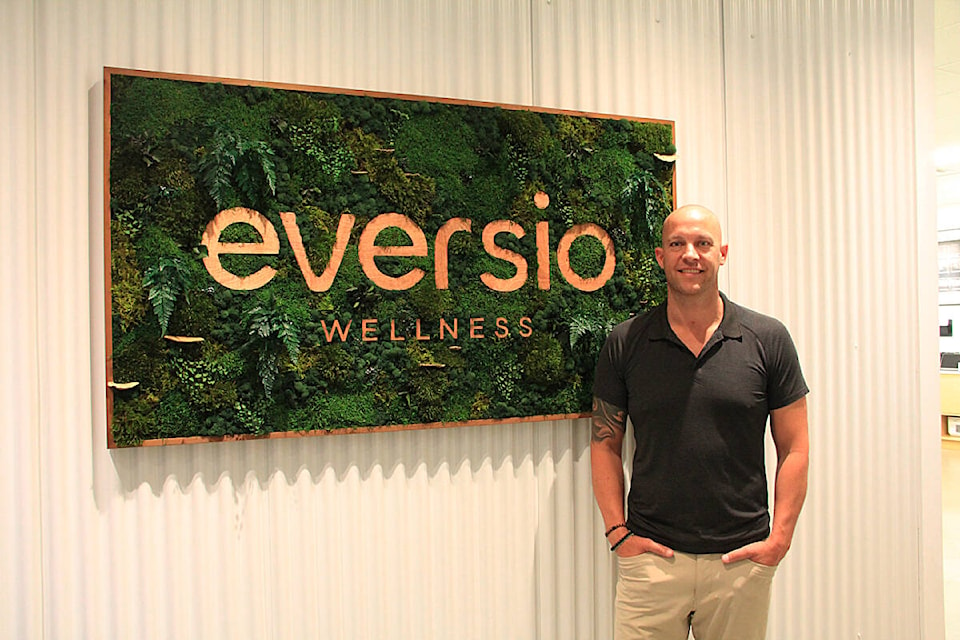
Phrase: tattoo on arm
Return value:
(608, 420)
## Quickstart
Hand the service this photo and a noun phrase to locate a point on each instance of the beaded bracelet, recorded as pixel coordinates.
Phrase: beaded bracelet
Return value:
(615, 527)
(621, 541)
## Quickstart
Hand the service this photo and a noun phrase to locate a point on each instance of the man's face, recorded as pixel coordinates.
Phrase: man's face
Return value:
(691, 251)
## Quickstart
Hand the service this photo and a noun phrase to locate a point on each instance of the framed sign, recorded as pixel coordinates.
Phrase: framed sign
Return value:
(286, 260)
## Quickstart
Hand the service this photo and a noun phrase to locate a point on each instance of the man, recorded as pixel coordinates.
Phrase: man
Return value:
(698, 377)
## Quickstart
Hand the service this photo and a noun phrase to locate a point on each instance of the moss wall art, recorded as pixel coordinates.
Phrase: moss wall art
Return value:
(287, 260)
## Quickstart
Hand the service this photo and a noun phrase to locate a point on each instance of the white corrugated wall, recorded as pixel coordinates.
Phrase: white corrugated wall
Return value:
(21, 590)
(795, 121)
(823, 219)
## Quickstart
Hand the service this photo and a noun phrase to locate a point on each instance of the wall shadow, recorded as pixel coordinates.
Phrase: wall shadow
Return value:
(384, 453)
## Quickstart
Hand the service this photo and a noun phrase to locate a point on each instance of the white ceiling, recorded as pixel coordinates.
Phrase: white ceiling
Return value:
(947, 125)
(947, 79)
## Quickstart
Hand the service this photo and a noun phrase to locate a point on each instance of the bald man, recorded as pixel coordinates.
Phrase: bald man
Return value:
(698, 377)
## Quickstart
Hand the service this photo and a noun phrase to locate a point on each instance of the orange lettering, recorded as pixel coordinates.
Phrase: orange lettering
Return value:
(563, 256)
(489, 235)
(543, 254)
(368, 330)
(420, 336)
(502, 330)
(451, 330)
(270, 246)
(325, 279)
(342, 331)
(393, 333)
(476, 328)
(368, 251)
(526, 330)
(440, 258)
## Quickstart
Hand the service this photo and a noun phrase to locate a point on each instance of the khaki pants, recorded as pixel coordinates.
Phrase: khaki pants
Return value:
(664, 598)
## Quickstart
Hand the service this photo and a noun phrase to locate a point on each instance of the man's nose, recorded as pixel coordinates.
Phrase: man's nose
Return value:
(690, 252)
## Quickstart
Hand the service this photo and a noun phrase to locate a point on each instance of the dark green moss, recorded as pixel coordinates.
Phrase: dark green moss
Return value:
(175, 416)
(544, 361)
(441, 146)
(604, 175)
(409, 193)
(271, 359)
(141, 356)
(129, 300)
(133, 421)
(329, 412)
(152, 106)
(587, 256)
(652, 137)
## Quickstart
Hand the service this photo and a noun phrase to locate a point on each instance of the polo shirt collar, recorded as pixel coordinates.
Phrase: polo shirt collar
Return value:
(730, 326)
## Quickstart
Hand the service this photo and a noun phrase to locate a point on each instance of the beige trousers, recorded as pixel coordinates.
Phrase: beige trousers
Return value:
(665, 598)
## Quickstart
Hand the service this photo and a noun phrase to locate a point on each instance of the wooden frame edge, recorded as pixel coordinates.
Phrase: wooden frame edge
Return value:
(108, 276)
(282, 435)
(109, 72)
(287, 86)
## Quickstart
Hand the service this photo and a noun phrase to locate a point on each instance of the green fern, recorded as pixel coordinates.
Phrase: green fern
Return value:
(268, 364)
(165, 282)
(255, 165)
(588, 328)
(646, 202)
(234, 167)
(217, 165)
(275, 333)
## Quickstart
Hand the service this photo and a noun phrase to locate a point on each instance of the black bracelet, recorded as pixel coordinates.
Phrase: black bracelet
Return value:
(621, 541)
(615, 527)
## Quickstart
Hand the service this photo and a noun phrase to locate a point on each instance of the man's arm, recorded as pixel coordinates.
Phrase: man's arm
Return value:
(606, 466)
(606, 460)
(788, 425)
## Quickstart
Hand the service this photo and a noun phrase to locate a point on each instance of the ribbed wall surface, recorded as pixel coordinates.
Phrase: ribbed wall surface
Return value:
(820, 133)
(21, 593)
(794, 123)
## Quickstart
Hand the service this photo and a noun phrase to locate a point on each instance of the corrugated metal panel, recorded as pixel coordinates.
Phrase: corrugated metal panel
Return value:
(822, 225)
(467, 50)
(21, 601)
(648, 59)
(476, 532)
(934, 597)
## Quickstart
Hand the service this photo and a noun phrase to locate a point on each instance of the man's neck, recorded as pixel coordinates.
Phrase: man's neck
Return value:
(694, 318)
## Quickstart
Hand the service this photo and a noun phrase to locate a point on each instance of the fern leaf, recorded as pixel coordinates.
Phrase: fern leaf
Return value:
(579, 327)
(267, 367)
(218, 164)
(165, 282)
(290, 337)
(644, 199)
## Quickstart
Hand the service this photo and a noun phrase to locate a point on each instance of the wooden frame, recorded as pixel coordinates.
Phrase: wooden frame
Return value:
(554, 276)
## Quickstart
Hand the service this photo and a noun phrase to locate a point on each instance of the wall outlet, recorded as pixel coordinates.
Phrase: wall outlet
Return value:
(953, 425)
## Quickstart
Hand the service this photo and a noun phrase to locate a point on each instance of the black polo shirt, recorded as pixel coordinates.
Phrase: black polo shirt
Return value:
(699, 480)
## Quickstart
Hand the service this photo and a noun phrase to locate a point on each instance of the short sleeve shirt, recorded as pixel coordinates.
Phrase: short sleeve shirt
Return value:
(699, 479)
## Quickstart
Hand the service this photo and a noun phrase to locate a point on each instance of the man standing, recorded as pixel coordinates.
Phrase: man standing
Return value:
(698, 377)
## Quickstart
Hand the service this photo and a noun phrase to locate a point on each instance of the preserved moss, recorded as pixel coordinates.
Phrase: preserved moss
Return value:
(441, 146)
(286, 358)
(129, 300)
(152, 106)
(544, 361)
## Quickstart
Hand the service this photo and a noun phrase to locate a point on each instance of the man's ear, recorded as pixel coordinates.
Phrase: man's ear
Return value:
(658, 253)
(723, 253)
